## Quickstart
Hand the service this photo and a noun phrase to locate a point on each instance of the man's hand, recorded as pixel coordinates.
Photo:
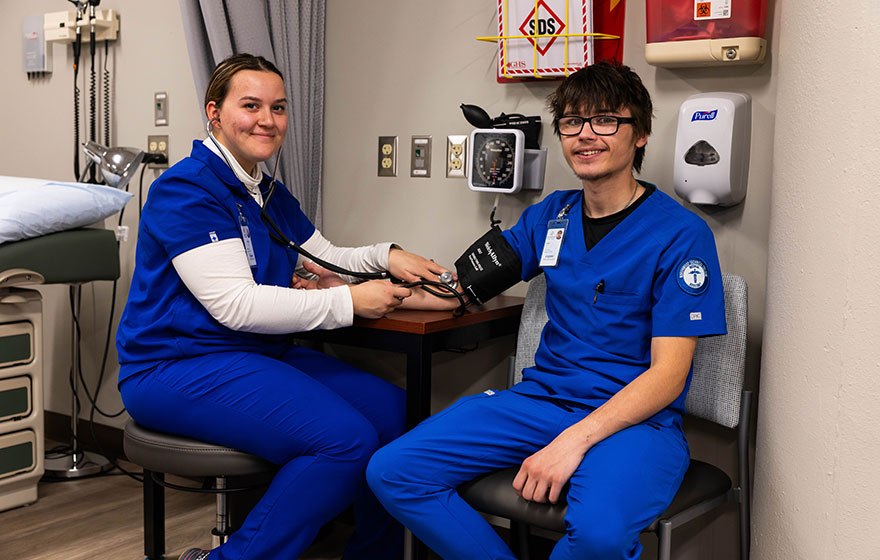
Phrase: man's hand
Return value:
(376, 298)
(326, 279)
(410, 267)
(543, 475)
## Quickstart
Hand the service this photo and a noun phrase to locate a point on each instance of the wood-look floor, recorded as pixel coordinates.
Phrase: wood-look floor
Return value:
(101, 518)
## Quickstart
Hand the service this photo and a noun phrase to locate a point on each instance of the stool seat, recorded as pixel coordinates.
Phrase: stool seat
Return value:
(160, 453)
(183, 456)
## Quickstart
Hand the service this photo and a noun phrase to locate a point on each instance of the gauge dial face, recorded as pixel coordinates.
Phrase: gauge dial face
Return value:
(494, 160)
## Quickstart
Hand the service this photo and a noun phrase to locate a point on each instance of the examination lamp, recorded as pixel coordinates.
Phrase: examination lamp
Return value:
(117, 165)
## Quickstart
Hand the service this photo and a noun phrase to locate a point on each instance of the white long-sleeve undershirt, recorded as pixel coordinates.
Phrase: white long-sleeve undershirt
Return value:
(219, 276)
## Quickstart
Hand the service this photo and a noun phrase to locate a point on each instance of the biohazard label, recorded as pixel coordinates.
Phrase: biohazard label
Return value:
(713, 9)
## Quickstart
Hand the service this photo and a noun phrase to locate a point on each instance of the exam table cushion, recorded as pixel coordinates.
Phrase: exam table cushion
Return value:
(33, 207)
(67, 257)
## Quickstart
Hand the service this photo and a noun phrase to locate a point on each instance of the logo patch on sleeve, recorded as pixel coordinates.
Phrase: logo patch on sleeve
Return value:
(693, 276)
(696, 316)
(213, 236)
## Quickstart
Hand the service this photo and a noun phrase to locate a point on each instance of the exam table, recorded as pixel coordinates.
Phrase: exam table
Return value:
(68, 257)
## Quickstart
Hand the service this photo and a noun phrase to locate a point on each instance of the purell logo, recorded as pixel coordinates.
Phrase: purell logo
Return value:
(704, 115)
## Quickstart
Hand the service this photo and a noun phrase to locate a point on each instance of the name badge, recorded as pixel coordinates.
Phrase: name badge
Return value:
(246, 238)
(553, 242)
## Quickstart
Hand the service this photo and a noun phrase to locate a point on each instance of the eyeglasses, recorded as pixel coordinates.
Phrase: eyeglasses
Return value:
(602, 125)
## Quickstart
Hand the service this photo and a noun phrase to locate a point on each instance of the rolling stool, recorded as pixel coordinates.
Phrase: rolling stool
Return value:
(159, 453)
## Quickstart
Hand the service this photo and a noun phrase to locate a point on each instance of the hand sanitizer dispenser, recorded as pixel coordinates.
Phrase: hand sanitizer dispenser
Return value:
(712, 148)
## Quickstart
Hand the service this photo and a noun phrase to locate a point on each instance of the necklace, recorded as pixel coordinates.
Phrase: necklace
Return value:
(625, 206)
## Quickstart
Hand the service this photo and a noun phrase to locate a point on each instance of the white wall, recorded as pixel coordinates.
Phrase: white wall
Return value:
(817, 491)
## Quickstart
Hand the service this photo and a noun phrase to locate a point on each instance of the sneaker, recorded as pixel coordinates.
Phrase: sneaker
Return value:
(194, 554)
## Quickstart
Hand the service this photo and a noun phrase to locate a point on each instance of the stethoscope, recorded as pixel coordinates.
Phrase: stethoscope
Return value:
(446, 283)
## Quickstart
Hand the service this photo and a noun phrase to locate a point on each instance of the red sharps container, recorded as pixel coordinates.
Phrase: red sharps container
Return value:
(705, 32)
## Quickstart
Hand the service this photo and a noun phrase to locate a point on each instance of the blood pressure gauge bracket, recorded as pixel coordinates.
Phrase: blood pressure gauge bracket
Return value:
(500, 163)
(530, 126)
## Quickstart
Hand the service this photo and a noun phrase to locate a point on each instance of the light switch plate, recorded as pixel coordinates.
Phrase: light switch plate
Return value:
(420, 162)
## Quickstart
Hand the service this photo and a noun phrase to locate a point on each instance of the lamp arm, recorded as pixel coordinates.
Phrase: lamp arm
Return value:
(85, 171)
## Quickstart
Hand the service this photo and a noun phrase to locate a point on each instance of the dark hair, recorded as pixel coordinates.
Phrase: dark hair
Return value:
(218, 85)
(605, 86)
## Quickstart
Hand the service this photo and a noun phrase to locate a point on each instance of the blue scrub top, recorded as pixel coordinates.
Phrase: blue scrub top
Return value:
(195, 202)
(598, 339)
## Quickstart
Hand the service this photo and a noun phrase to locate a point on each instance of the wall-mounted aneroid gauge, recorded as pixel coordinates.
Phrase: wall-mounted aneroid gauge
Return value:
(496, 157)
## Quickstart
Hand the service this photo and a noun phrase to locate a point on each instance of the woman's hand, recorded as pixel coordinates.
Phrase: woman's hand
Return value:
(377, 298)
(410, 267)
(326, 279)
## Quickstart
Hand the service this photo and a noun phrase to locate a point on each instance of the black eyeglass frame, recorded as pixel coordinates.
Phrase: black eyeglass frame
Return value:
(584, 120)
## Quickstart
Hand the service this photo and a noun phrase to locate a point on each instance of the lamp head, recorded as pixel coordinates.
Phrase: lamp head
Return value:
(117, 165)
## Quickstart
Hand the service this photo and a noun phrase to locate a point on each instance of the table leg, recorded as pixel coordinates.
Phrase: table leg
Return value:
(418, 407)
(418, 380)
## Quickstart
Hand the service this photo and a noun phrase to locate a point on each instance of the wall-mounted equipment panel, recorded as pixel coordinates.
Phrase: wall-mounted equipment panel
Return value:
(60, 27)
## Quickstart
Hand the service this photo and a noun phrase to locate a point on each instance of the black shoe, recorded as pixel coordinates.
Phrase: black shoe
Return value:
(194, 554)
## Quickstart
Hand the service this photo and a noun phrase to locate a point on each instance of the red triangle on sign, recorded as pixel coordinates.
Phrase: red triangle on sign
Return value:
(535, 27)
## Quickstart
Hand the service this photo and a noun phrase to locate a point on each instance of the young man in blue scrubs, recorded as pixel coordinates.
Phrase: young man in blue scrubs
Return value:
(632, 280)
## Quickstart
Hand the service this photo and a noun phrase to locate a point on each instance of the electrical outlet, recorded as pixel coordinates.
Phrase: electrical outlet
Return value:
(387, 156)
(158, 145)
(456, 156)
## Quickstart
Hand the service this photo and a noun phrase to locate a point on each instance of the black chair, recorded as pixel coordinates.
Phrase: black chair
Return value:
(715, 395)
(236, 476)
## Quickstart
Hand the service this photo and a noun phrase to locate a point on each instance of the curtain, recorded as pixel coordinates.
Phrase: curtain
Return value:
(290, 33)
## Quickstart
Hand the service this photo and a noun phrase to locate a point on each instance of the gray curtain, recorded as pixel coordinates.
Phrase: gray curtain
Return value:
(290, 33)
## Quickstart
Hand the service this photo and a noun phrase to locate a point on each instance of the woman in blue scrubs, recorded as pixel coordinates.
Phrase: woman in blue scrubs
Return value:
(203, 345)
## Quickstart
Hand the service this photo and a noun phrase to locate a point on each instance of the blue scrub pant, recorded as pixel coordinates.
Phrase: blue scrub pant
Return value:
(622, 485)
(319, 419)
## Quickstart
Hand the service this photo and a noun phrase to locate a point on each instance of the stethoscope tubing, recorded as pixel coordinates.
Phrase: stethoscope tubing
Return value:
(278, 236)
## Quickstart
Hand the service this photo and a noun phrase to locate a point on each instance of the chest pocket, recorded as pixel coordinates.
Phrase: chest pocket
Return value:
(623, 322)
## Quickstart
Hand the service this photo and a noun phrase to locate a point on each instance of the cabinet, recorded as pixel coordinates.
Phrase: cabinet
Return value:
(21, 396)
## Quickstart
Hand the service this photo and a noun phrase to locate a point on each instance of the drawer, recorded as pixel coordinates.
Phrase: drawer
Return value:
(17, 453)
(16, 343)
(16, 398)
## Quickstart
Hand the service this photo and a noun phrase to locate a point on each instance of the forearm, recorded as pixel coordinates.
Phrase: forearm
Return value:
(421, 299)
(645, 396)
(370, 258)
(219, 277)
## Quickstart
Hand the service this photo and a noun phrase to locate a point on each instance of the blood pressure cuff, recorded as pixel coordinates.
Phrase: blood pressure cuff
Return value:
(488, 267)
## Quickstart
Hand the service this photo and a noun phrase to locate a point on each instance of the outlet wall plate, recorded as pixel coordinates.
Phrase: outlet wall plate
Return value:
(158, 144)
(387, 156)
(456, 156)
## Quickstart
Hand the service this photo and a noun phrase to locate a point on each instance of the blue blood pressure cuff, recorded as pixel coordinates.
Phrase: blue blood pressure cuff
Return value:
(488, 267)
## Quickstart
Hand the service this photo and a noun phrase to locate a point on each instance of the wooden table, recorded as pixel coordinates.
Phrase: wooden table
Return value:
(419, 334)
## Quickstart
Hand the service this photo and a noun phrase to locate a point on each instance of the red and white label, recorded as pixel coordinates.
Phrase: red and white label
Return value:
(543, 48)
(712, 9)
